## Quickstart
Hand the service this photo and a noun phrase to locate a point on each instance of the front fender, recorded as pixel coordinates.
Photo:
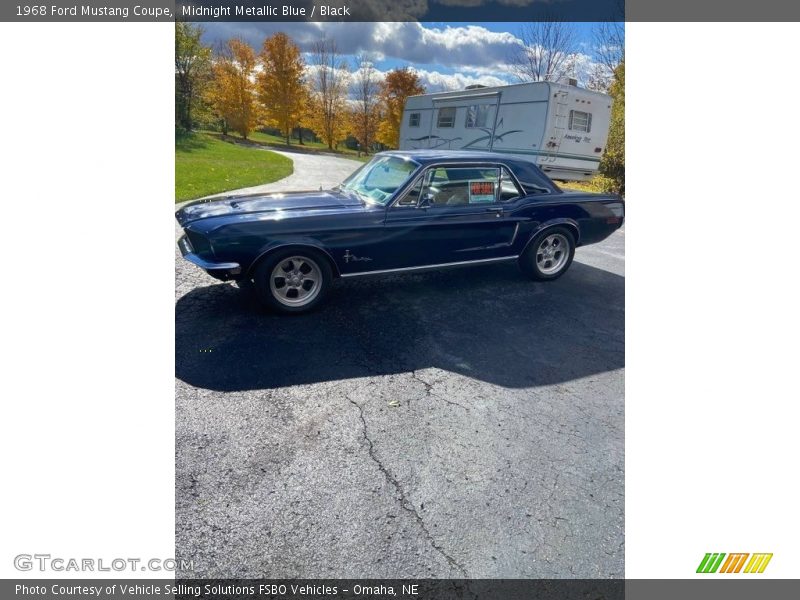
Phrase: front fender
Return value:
(299, 242)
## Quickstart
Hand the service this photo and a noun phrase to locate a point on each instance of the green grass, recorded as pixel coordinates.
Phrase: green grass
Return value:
(204, 165)
(265, 139)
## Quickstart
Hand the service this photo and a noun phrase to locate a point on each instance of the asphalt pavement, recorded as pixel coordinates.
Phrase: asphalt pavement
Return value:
(463, 423)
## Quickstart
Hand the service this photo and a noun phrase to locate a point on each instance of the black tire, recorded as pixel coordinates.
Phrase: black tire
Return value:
(550, 262)
(277, 296)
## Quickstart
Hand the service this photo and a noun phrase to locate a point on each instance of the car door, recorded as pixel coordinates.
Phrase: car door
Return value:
(452, 214)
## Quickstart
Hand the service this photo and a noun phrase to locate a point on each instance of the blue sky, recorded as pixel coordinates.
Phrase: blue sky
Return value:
(445, 55)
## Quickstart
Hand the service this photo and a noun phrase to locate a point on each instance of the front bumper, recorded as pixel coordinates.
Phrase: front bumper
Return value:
(220, 270)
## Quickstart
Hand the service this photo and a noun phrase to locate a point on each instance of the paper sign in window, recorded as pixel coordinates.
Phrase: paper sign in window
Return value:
(481, 191)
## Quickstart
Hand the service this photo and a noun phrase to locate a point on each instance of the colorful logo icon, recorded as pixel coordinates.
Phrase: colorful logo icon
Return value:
(734, 562)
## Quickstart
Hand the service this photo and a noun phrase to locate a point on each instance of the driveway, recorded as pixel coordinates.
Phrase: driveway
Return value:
(464, 423)
(310, 172)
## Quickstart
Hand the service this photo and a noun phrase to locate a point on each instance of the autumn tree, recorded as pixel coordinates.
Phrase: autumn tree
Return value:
(192, 72)
(609, 37)
(598, 78)
(398, 85)
(546, 51)
(329, 84)
(613, 163)
(365, 110)
(233, 92)
(281, 89)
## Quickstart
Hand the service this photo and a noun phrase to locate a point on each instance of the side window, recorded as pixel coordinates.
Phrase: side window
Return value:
(413, 119)
(446, 117)
(508, 187)
(478, 115)
(580, 121)
(461, 186)
(411, 197)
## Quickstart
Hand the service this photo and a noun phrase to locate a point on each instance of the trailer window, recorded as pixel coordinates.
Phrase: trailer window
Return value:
(447, 117)
(413, 119)
(478, 115)
(580, 121)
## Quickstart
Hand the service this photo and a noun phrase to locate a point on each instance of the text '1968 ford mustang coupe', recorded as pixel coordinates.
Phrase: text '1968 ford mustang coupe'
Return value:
(400, 212)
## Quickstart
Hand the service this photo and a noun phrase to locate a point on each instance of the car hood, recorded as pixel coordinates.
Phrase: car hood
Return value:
(265, 203)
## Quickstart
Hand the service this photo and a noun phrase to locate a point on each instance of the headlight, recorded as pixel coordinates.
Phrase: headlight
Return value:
(185, 245)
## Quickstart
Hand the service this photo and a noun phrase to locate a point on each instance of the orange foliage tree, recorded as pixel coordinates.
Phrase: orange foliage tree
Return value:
(398, 85)
(233, 93)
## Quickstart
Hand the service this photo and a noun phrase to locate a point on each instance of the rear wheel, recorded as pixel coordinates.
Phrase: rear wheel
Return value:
(293, 281)
(549, 254)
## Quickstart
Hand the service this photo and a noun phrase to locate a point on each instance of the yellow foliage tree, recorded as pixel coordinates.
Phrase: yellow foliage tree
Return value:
(365, 109)
(233, 93)
(613, 163)
(398, 85)
(281, 88)
(192, 73)
(329, 111)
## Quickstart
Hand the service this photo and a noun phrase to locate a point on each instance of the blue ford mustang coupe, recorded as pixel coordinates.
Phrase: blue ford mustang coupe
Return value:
(401, 212)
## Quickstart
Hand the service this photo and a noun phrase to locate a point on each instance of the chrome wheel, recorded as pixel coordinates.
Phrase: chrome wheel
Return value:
(552, 254)
(295, 281)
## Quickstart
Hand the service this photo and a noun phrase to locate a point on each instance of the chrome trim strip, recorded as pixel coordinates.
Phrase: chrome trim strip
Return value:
(430, 267)
(492, 164)
(514, 237)
(185, 246)
(233, 267)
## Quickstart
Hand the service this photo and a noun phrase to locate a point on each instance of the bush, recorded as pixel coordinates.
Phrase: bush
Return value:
(599, 184)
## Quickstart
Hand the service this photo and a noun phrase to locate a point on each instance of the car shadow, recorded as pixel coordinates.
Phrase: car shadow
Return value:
(489, 323)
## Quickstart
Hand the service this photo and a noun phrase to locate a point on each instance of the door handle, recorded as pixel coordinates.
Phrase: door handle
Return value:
(497, 210)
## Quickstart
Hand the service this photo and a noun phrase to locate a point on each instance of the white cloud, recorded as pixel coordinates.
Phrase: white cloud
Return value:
(434, 81)
(448, 46)
(445, 57)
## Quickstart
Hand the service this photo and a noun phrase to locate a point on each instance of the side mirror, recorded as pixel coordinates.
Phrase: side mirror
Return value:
(426, 200)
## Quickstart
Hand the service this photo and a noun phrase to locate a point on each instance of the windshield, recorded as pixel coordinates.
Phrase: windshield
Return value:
(380, 178)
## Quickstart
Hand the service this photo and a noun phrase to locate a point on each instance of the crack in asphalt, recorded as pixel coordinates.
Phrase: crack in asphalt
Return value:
(429, 392)
(404, 502)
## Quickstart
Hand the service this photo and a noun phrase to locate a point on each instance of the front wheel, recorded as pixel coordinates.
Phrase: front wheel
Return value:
(549, 254)
(292, 281)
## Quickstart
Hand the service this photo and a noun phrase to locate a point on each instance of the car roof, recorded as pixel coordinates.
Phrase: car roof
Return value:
(429, 156)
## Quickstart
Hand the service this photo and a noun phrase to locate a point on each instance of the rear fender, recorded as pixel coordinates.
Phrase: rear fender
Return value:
(562, 222)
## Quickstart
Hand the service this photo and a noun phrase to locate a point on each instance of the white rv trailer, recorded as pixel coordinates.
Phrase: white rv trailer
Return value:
(564, 128)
